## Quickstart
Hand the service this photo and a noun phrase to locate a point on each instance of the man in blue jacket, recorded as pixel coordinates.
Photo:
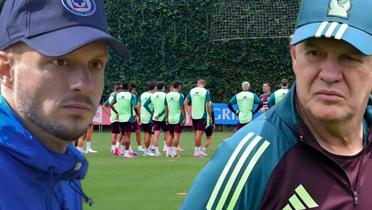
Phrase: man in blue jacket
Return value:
(313, 149)
(52, 60)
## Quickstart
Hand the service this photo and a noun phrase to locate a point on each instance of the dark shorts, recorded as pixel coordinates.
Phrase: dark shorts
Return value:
(240, 125)
(148, 128)
(175, 128)
(209, 130)
(160, 125)
(126, 127)
(115, 128)
(136, 126)
(199, 125)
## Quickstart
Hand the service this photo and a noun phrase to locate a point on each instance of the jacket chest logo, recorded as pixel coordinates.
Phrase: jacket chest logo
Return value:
(301, 199)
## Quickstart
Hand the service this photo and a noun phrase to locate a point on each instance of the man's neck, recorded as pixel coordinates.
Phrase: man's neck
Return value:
(48, 140)
(340, 138)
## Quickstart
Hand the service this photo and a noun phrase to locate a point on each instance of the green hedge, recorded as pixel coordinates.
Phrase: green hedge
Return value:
(170, 40)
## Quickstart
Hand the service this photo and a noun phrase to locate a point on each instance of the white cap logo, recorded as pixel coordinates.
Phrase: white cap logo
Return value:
(339, 8)
(80, 7)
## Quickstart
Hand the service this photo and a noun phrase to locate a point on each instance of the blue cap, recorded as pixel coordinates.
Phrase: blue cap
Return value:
(348, 20)
(56, 27)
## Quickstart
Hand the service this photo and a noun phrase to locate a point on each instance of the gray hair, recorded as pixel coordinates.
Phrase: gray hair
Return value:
(246, 86)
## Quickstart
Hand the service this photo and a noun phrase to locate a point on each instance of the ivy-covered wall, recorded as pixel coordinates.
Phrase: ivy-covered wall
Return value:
(170, 39)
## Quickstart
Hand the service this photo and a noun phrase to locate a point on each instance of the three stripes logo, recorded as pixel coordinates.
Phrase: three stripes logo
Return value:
(331, 29)
(301, 200)
(236, 172)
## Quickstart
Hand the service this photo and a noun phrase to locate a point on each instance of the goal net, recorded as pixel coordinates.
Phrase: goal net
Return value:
(253, 19)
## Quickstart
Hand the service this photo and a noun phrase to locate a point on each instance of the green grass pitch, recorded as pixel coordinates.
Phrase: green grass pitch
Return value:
(142, 183)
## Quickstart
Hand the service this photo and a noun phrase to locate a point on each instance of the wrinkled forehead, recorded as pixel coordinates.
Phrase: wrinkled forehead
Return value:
(330, 44)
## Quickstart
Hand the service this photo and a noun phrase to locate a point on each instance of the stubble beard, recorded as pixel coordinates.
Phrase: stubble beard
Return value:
(31, 109)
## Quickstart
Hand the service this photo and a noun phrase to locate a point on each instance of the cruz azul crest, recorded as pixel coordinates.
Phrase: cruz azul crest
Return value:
(339, 8)
(80, 7)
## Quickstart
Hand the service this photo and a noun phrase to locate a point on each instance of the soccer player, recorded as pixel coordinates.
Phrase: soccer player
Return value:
(175, 117)
(245, 101)
(125, 102)
(278, 95)
(146, 117)
(115, 127)
(136, 124)
(313, 149)
(52, 65)
(159, 102)
(200, 99)
(209, 129)
(266, 88)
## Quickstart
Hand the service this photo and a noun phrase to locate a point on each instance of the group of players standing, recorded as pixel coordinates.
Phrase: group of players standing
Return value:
(158, 111)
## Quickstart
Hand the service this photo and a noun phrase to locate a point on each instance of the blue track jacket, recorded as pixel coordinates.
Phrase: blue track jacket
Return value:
(32, 177)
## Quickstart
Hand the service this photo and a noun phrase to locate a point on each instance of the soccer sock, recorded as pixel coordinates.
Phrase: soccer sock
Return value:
(121, 148)
(156, 149)
(113, 147)
(117, 144)
(169, 151)
(197, 150)
(80, 149)
(204, 149)
(139, 147)
(174, 151)
(88, 143)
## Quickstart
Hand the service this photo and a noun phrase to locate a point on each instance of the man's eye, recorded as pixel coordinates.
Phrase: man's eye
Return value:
(313, 53)
(61, 62)
(96, 65)
(352, 59)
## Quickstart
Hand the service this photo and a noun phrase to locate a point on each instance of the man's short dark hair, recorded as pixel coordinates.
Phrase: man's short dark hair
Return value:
(132, 86)
(125, 85)
(117, 84)
(284, 82)
(160, 85)
(151, 85)
(176, 84)
(267, 83)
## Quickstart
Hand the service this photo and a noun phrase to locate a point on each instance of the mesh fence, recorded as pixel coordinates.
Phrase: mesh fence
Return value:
(253, 19)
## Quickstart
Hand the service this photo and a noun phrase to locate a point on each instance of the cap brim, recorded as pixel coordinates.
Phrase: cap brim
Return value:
(357, 38)
(66, 40)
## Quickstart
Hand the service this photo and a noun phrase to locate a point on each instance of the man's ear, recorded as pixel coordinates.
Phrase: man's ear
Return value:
(292, 50)
(6, 69)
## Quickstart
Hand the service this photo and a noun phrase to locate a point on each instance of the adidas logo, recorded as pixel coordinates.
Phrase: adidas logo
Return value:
(301, 200)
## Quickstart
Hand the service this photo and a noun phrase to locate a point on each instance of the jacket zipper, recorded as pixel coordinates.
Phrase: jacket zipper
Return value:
(354, 192)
